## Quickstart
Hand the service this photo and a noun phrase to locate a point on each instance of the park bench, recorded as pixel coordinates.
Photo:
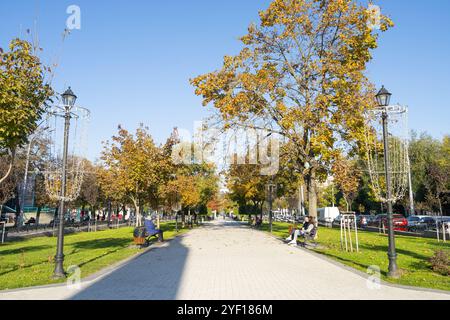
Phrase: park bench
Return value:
(311, 237)
(143, 235)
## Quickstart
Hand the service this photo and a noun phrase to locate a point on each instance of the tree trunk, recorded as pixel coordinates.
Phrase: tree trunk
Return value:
(109, 213)
(189, 218)
(261, 211)
(124, 211)
(138, 215)
(10, 167)
(312, 193)
(38, 215)
(19, 218)
(440, 206)
(183, 218)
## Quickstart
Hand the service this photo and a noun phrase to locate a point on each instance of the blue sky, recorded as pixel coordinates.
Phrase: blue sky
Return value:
(131, 60)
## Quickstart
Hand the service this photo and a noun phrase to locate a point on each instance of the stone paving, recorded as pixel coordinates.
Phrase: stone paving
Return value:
(225, 260)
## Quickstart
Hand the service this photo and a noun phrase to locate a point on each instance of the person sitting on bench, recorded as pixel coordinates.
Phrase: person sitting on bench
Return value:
(150, 230)
(308, 226)
(258, 222)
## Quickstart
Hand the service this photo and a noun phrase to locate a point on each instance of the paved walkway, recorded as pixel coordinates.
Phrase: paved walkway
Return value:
(226, 260)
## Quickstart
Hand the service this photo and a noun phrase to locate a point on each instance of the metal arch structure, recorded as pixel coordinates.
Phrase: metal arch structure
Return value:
(398, 141)
(80, 118)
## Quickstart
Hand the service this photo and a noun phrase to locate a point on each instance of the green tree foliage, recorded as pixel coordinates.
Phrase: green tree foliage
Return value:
(23, 96)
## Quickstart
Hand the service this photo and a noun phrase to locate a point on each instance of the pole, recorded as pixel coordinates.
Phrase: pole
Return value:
(411, 194)
(303, 201)
(392, 255)
(59, 258)
(4, 229)
(332, 194)
(109, 213)
(25, 178)
(270, 208)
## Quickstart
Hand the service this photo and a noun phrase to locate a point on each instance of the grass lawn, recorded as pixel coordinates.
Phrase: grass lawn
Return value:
(413, 255)
(30, 262)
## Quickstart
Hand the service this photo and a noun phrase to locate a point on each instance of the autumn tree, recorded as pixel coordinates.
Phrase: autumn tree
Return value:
(24, 94)
(247, 187)
(90, 188)
(131, 167)
(300, 75)
(193, 186)
(347, 176)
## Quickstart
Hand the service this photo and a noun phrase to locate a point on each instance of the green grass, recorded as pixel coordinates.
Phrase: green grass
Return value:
(30, 262)
(413, 255)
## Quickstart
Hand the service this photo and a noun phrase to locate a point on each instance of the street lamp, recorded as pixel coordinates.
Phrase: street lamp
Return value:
(68, 100)
(383, 98)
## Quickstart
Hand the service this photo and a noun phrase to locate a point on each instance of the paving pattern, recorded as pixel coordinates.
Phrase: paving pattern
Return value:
(221, 261)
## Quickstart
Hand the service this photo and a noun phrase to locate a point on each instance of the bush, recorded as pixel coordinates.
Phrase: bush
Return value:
(440, 262)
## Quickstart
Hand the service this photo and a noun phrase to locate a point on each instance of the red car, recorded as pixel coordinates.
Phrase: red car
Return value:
(400, 223)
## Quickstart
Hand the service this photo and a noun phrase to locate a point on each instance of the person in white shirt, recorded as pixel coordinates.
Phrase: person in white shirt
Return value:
(308, 226)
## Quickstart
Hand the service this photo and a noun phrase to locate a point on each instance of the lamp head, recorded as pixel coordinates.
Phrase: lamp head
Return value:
(383, 97)
(69, 98)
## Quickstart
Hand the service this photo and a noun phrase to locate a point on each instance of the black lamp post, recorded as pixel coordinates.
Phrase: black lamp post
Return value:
(383, 98)
(68, 100)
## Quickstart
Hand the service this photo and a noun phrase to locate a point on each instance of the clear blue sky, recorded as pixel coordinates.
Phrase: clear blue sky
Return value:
(131, 60)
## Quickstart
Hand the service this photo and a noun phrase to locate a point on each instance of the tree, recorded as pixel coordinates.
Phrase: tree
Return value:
(193, 186)
(301, 75)
(430, 167)
(90, 188)
(436, 182)
(23, 99)
(247, 188)
(347, 176)
(131, 167)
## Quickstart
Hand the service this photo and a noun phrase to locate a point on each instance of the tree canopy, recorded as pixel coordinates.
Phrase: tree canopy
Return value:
(301, 74)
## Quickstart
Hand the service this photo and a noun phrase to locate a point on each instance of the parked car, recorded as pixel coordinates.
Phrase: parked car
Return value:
(360, 218)
(420, 223)
(400, 222)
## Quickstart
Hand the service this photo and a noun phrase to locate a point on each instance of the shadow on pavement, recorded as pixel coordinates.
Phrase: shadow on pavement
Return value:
(155, 275)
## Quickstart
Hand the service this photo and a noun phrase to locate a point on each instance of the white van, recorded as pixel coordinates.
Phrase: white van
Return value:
(327, 214)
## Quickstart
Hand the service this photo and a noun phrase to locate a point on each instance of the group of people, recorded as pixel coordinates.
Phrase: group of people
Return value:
(309, 226)
(257, 222)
